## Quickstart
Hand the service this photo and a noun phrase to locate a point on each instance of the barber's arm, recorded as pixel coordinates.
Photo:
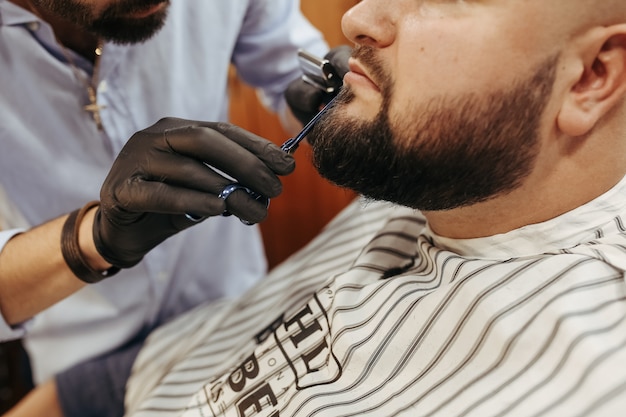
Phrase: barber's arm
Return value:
(33, 273)
(164, 172)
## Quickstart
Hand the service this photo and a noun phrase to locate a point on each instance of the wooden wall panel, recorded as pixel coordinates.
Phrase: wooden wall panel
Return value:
(308, 201)
(326, 16)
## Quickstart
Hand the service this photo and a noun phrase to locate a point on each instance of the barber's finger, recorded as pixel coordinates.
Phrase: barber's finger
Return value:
(304, 96)
(190, 173)
(240, 204)
(279, 161)
(182, 171)
(158, 197)
(338, 57)
(181, 177)
(212, 147)
(268, 152)
(304, 100)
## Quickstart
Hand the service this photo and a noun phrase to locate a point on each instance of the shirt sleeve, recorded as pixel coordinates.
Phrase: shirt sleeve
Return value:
(266, 52)
(8, 332)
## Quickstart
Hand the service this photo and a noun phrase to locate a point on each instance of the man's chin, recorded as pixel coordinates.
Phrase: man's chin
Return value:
(352, 104)
(361, 111)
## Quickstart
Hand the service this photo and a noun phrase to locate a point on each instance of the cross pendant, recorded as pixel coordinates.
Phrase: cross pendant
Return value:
(94, 108)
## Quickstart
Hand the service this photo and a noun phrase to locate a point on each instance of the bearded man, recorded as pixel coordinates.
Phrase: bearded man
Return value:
(483, 276)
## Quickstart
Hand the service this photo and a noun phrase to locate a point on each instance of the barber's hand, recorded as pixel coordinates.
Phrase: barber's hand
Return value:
(166, 171)
(305, 100)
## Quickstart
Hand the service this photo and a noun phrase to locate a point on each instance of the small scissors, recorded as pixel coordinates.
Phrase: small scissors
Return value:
(289, 146)
(318, 72)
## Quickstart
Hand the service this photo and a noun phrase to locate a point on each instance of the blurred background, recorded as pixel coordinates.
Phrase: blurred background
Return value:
(306, 205)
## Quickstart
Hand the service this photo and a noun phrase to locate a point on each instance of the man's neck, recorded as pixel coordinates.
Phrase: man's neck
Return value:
(556, 186)
(67, 33)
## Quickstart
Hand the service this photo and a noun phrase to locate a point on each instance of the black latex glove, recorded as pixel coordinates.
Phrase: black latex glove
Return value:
(161, 174)
(304, 99)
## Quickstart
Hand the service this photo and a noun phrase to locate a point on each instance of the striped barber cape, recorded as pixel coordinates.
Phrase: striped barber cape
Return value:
(379, 316)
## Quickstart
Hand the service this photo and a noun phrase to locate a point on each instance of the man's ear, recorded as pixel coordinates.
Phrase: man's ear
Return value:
(602, 83)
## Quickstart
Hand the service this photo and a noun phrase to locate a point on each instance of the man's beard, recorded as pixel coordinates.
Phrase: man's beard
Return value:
(449, 153)
(112, 24)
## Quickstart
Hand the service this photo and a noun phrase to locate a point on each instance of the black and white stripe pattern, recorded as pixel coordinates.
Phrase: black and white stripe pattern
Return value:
(442, 334)
(231, 327)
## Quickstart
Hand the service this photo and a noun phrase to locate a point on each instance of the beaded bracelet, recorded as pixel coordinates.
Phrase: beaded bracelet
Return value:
(71, 250)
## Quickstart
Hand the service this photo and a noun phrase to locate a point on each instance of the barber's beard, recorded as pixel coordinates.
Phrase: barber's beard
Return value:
(112, 24)
(448, 153)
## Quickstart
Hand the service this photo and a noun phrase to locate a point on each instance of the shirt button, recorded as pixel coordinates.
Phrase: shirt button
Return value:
(33, 26)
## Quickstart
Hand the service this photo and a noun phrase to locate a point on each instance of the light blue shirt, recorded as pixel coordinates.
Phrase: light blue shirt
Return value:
(53, 159)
